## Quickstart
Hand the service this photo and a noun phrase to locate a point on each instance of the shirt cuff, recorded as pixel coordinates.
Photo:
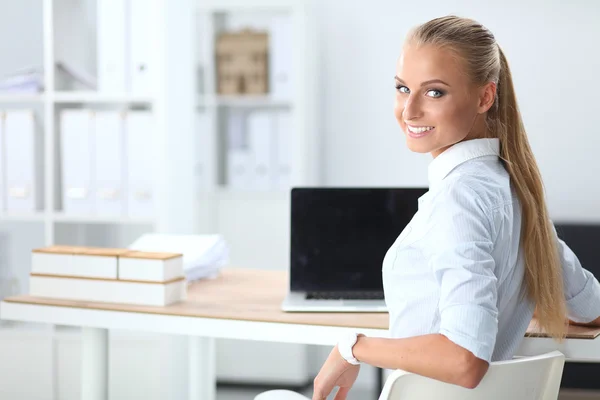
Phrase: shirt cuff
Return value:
(585, 306)
(472, 327)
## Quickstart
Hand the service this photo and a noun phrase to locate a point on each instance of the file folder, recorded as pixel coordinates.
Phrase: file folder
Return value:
(140, 145)
(23, 162)
(239, 160)
(259, 139)
(2, 164)
(282, 170)
(108, 163)
(281, 46)
(76, 161)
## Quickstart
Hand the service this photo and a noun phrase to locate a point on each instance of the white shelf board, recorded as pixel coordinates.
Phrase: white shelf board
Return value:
(96, 97)
(21, 97)
(96, 219)
(35, 216)
(246, 101)
(250, 194)
(243, 5)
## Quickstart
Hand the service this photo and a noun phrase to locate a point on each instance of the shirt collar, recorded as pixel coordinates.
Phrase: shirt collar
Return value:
(459, 153)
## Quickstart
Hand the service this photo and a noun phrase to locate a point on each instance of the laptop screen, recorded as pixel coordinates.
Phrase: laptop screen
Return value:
(583, 239)
(339, 236)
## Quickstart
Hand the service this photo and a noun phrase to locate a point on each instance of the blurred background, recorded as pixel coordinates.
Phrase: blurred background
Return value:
(123, 117)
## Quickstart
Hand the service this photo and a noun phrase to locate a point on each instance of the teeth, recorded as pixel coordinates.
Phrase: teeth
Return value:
(420, 129)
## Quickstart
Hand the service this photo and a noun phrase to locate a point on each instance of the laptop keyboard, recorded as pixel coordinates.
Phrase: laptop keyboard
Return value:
(377, 295)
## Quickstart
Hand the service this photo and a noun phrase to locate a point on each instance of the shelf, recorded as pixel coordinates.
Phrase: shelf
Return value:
(250, 194)
(21, 97)
(95, 97)
(243, 5)
(37, 216)
(95, 219)
(248, 101)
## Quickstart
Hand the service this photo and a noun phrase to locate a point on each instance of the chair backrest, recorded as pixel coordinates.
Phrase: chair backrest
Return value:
(527, 378)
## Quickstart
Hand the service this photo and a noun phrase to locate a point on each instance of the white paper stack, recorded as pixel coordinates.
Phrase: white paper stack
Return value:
(27, 80)
(203, 255)
(31, 79)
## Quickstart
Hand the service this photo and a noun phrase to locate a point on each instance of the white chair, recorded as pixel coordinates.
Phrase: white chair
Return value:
(527, 378)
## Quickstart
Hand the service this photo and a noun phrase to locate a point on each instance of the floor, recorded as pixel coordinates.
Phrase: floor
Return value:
(248, 394)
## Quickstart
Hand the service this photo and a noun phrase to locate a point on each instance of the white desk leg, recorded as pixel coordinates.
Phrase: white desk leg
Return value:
(94, 364)
(202, 377)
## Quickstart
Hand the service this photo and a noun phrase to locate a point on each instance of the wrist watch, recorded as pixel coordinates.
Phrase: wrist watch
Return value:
(345, 347)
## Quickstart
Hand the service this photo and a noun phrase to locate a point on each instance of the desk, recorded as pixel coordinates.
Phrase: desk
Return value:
(239, 304)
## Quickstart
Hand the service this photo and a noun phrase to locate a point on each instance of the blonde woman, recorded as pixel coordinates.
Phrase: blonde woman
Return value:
(463, 279)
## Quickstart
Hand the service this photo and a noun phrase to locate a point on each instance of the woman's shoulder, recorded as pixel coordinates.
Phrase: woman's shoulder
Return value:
(484, 188)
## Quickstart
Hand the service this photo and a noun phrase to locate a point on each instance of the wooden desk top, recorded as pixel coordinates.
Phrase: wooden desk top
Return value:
(254, 295)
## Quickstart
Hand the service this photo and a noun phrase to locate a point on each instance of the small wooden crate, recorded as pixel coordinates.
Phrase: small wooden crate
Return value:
(243, 63)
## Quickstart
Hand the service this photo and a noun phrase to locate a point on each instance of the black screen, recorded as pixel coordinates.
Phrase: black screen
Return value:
(583, 239)
(339, 236)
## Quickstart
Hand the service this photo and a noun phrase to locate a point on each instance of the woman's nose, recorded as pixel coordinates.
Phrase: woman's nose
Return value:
(412, 108)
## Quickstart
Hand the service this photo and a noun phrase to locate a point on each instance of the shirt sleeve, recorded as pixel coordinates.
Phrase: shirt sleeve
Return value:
(458, 249)
(582, 290)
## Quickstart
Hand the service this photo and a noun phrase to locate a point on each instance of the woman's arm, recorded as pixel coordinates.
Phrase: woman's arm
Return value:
(594, 323)
(434, 356)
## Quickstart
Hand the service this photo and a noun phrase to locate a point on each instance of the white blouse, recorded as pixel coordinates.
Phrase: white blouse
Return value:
(457, 268)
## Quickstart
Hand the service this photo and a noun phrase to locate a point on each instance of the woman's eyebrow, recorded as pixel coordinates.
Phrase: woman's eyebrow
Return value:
(424, 83)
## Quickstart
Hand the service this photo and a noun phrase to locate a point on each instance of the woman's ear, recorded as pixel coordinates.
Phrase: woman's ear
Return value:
(487, 95)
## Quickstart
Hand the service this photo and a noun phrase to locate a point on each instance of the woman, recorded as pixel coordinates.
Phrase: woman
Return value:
(463, 279)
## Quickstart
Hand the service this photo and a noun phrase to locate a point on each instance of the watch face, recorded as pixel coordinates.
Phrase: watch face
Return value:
(345, 347)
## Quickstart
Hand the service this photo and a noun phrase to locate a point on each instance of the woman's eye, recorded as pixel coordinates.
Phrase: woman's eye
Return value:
(402, 89)
(435, 93)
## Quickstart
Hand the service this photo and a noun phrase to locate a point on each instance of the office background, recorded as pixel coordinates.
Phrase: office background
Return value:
(550, 46)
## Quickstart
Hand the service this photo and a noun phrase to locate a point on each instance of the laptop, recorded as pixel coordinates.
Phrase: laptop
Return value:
(339, 237)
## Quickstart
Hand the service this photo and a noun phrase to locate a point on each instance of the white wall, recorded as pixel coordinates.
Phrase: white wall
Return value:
(551, 47)
(20, 35)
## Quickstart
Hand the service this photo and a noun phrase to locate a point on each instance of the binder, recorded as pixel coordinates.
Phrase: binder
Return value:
(142, 19)
(140, 159)
(2, 165)
(108, 160)
(112, 51)
(259, 140)
(282, 168)
(238, 154)
(203, 172)
(76, 130)
(281, 46)
(23, 162)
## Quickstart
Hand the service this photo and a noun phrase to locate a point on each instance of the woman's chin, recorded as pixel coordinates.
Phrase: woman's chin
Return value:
(418, 145)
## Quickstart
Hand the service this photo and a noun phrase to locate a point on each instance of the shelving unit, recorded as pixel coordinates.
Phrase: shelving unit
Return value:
(191, 195)
(189, 185)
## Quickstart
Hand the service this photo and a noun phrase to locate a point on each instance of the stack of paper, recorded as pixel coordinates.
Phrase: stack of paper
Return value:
(29, 80)
(203, 255)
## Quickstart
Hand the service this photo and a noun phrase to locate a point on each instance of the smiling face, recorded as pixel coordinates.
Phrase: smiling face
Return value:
(436, 104)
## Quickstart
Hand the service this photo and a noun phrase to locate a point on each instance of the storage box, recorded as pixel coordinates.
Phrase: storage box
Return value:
(108, 290)
(107, 275)
(76, 261)
(150, 267)
(242, 62)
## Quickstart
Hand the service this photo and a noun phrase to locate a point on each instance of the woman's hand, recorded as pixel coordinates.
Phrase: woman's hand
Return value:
(335, 372)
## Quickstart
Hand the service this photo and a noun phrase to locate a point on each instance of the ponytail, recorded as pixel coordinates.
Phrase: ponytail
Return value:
(543, 270)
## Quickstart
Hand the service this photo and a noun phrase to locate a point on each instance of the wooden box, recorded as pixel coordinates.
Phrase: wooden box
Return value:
(242, 63)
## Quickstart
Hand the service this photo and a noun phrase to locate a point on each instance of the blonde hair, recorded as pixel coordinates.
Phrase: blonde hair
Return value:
(484, 60)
